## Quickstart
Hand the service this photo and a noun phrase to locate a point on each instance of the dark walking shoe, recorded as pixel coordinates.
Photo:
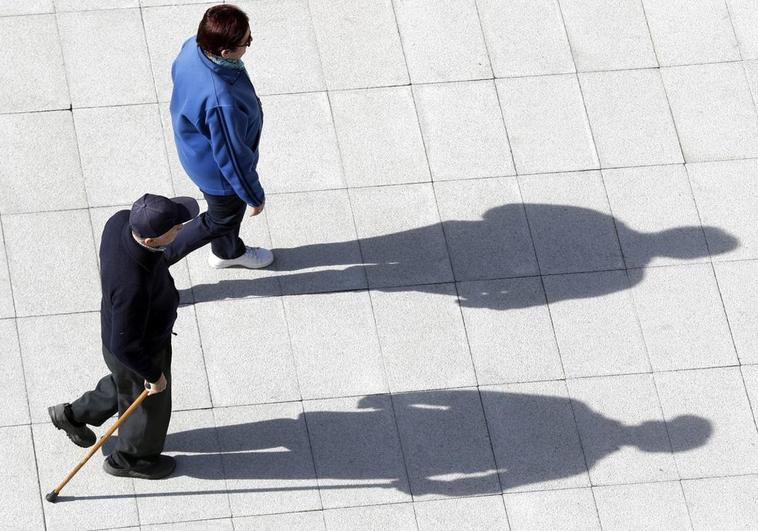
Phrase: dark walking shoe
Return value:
(80, 434)
(163, 466)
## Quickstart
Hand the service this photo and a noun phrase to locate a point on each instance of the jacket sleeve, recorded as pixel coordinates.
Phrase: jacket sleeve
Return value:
(234, 157)
(129, 321)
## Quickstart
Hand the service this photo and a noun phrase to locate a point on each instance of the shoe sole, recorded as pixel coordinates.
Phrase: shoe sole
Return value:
(127, 473)
(239, 266)
(56, 423)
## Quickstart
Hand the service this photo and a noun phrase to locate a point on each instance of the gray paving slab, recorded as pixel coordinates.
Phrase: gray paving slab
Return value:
(44, 146)
(379, 136)
(51, 282)
(209, 284)
(463, 130)
(224, 524)
(608, 35)
(304, 521)
(750, 377)
(725, 193)
(485, 229)
(509, 331)
(78, 359)
(738, 292)
(630, 118)
(722, 503)
(569, 509)
(126, 77)
(183, 185)
(92, 499)
(90, 5)
(315, 244)
(691, 32)
(398, 516)
(247, 351)
(478, 513)
(571, 223)
(446, 445)
(359, 43)
(744, 16)
(709, 422)
(15, 408)
(196, 490)
(525, 37)
(7, 307)
(166, 29)
(547, 124)
(442, 40)
(46, 74)
(622, 429)
(712, 112)
(283, 57)
(642, 506)
(26, 7)
(534, 436)
(656, 217)
(188, 372)
(596, 324)
(22, 504)
(122, 152)
(682, 317)
(422, 337)
(400, 235)
(335, 344)
(298, 150)
(267, 459)
(356, 451)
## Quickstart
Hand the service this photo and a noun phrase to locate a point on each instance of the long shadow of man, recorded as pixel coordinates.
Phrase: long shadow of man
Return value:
(445, 443)
(499, 246)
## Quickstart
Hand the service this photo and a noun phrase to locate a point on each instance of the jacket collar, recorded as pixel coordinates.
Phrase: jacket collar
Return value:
(146, 259)
(230, 75)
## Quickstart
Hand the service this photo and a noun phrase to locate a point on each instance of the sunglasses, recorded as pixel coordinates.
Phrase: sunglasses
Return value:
(246, 43)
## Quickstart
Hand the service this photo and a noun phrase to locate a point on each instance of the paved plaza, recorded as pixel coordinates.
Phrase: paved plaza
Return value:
(515, 282)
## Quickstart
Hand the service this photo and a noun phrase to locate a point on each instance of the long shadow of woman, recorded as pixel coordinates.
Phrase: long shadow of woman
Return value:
(499, 246)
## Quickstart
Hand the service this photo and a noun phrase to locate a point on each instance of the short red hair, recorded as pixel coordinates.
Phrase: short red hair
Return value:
(222, 28)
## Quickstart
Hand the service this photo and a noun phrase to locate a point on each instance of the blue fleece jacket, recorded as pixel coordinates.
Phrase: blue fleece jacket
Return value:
(217, 119)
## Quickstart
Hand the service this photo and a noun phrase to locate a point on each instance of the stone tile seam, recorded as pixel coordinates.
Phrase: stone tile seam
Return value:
(751, 407)
(23, 373)
(382, 355)
(588, 124)
(377, 87)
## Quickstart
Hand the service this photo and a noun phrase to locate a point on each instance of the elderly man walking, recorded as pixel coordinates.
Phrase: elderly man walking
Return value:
(137, 315)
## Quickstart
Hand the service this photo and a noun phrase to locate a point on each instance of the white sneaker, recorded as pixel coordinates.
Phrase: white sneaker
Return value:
(254, 258)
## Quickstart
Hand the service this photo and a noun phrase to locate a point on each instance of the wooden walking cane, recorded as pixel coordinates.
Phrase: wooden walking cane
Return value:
(53, 495)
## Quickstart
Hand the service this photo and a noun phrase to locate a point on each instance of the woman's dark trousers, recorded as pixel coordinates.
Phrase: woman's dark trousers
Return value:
(220, 225)
(142, 435)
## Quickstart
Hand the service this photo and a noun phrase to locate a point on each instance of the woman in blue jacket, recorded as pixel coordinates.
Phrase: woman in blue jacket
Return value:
(217, 120)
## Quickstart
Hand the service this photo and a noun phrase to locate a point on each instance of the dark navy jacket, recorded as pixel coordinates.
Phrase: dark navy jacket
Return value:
(139, 302)
(217, 120)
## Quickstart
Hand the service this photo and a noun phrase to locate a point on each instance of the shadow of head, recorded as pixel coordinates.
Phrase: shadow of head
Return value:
(686, 432)
(673, 242)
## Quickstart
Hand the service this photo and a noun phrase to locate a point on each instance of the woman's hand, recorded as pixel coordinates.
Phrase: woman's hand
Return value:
(254, 211)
